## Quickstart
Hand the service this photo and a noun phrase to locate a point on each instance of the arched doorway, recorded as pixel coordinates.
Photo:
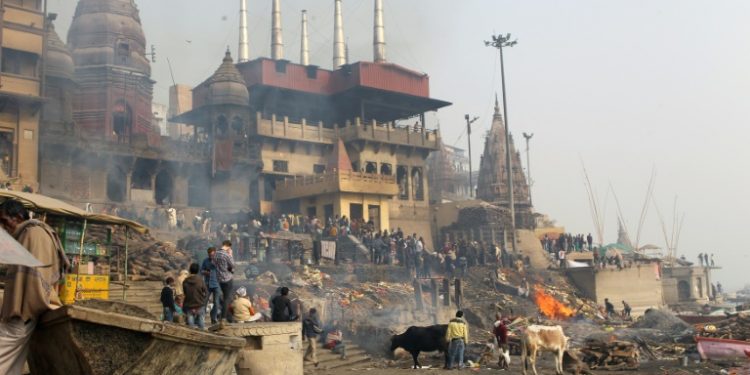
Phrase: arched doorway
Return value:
(164, 185)
(402, 179)
(122, 121)
(683, 290)
(116, 185)
(416, 176)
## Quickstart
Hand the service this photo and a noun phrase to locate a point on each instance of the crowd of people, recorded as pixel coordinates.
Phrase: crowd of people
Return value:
(568, 242)
(207, 289)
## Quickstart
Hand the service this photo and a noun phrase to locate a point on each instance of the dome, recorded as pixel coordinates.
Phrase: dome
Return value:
(108, 32)
(227, 86)
(59, 62)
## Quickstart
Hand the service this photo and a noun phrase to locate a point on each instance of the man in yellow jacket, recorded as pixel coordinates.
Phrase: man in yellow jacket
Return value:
(457, 336)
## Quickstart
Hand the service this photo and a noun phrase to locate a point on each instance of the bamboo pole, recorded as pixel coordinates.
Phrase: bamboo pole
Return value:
(80, 258)
(125, 280)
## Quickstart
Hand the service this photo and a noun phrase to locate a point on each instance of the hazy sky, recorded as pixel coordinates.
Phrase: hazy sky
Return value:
(625, 86)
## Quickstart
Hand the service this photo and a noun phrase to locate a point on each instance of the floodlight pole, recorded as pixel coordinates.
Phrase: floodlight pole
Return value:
(470, 121)
(528, 163)
(499, 42)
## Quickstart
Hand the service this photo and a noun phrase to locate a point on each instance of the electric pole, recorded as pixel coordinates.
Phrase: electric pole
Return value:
(470, 121)
(499, 42)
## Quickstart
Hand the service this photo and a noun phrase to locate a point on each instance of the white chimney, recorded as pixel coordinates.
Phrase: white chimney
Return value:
(277, 41)
(244, 51)
(304, 58)
(339, 46)
(379, 36)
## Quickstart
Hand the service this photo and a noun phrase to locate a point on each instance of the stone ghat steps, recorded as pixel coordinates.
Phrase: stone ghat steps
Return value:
(327, 360)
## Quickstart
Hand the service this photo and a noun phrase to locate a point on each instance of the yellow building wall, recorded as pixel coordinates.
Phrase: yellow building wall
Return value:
(300, 162)
(23, 31)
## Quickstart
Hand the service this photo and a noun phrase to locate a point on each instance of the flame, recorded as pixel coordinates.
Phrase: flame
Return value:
(551, 307)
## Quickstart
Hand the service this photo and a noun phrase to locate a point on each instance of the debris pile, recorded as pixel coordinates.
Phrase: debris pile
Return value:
(662, 326)
(610, 355)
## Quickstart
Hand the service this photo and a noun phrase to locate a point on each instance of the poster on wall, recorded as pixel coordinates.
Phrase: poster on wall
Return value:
(328, 249)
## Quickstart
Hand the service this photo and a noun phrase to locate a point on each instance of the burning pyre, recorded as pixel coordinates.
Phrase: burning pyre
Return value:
(550, 307)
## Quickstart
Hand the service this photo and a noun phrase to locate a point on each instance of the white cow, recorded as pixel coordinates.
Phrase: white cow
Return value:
(540, 338)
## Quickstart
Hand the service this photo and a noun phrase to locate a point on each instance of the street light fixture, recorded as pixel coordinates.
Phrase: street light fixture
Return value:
(499, 42)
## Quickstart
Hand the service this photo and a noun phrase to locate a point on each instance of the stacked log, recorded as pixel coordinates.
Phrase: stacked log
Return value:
(734, 328)
(154, 262)
(148, 258)
(612, 355)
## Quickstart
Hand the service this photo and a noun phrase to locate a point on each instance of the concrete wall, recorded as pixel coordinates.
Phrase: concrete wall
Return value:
(639, 286)
(585, 280)
(271, 349)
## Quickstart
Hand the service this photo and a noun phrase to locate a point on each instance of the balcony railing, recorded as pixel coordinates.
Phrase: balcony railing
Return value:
(337, 182)
(388, 133)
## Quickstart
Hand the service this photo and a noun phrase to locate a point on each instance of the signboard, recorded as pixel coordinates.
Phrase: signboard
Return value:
(328, 249)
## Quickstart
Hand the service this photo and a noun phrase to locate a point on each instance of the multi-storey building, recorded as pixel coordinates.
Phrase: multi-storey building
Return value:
(266, 135)
(22, 36)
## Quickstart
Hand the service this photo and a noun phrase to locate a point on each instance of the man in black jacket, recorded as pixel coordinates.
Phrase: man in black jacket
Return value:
(281, 307)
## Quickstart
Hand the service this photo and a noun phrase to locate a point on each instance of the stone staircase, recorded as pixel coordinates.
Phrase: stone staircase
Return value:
(144, 294)
(355, 356)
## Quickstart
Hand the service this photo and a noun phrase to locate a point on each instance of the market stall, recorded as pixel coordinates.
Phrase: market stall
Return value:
(89, 256)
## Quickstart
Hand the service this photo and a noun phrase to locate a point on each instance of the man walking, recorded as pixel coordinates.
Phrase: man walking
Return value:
(29, 292)
(208, 270)
(626, 309)
(224, 273)
(311, 329)
(196, 295)
(457, 336)
(609, 308)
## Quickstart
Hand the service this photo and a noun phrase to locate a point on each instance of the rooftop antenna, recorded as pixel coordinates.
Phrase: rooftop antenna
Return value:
(277, 38)
(244, 49)
(379, 34)
(339, 45)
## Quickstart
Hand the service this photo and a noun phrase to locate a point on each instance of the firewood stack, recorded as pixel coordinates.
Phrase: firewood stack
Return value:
(612, 355)
(154, 262)
(735, 328)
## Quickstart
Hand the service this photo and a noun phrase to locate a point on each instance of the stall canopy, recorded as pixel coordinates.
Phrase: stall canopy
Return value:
(45, 204)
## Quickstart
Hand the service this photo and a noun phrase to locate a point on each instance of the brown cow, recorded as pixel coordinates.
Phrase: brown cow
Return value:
(540, 338)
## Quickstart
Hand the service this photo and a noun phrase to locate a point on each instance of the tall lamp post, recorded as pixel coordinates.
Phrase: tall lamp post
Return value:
(470, 121)
(528, 162)
(499, 42)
